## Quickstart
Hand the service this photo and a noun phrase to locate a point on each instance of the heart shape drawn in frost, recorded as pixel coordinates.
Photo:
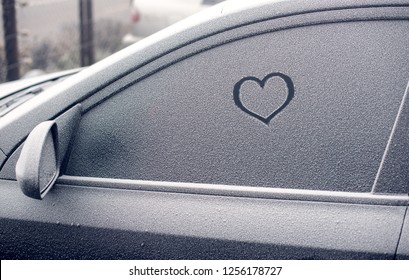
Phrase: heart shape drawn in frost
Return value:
(290, 94)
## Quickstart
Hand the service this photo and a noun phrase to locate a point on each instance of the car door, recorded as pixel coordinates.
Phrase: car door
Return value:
(270, 131)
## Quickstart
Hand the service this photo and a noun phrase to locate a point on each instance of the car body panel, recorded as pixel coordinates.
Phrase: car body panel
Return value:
(403, 249)
(278, 228)
(3, 158)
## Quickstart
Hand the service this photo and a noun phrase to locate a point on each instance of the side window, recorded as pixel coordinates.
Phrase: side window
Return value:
(308, 108)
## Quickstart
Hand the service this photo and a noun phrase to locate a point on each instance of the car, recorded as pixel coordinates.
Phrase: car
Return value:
(148, 17)
(252, 130)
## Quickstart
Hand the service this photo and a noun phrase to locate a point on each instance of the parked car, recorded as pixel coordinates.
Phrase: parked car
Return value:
(260, 130)
(150, 16)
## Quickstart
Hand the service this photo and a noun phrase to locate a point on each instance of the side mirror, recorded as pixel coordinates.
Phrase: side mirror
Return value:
(37, 168)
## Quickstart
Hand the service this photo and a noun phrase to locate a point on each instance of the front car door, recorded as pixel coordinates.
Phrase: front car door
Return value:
(270, 131)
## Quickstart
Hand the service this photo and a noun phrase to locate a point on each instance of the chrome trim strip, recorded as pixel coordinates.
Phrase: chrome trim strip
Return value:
(388, 144)
(237, 191)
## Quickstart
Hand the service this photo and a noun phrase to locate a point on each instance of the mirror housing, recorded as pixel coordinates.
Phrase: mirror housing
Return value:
(37, 168)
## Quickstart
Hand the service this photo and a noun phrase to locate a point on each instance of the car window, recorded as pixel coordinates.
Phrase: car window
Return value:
(307, 108)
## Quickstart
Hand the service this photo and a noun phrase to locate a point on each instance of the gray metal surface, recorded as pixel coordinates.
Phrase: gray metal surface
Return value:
(403, 248)
(285, 229)
(238, 191)
(2, 157)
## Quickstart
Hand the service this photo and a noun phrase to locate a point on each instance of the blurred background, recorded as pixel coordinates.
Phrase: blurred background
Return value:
(46, 36)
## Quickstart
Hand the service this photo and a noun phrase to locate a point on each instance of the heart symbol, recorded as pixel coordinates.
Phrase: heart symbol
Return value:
(262, 83)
